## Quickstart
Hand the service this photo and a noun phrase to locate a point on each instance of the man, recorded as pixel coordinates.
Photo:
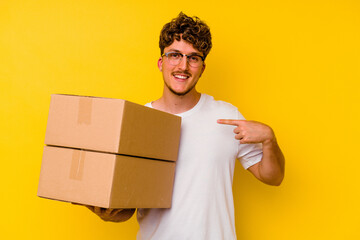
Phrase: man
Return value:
(214, 134)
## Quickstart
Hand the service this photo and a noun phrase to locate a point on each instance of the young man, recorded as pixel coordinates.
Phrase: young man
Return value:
(214, 134)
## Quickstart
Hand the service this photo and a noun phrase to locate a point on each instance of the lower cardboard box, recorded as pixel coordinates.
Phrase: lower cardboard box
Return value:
(104, 179)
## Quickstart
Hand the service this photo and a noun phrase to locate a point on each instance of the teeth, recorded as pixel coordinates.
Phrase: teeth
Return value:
(181, 77)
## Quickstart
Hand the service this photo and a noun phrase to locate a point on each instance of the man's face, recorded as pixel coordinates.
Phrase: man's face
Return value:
(182, 78)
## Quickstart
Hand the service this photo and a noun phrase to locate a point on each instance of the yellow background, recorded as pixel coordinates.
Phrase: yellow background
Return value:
(291, 64)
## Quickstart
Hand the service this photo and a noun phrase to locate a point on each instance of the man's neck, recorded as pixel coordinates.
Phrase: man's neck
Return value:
(175, 104)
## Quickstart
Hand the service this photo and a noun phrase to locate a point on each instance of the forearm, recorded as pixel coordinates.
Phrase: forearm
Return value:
(272, 166)
(270, 169)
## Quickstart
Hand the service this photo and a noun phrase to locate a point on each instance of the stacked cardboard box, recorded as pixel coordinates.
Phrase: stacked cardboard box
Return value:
(109, 153)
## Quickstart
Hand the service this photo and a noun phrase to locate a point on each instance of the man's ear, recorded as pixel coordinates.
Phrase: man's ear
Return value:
(160, 64)
(203, 69)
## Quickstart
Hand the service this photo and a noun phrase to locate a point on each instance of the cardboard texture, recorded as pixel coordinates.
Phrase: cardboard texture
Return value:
(104, 179)
(112, 125)
(109, 153)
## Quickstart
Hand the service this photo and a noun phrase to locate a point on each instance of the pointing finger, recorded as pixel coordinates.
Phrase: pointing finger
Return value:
(228, 122)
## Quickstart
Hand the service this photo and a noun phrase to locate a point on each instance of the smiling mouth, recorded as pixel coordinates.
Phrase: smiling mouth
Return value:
(181, 76)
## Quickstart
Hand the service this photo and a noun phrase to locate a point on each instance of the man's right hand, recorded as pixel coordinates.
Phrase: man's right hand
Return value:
(111, 214)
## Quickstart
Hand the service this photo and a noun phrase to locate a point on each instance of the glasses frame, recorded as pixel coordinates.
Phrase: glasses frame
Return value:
(187, 57)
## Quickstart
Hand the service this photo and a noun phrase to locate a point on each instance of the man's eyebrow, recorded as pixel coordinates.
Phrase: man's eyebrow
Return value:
(192, 53)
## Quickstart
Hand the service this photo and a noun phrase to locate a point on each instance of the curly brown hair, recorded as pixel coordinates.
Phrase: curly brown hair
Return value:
(190, 29)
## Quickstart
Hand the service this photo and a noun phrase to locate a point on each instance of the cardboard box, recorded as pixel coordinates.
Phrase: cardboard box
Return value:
(112, 125)
(104, 179)
(109, 153)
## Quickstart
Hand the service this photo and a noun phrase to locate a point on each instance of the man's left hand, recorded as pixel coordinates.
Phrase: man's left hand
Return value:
(250, 131)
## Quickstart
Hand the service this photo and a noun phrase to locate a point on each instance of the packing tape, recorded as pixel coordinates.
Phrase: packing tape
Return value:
(85, 109)
(77, 165)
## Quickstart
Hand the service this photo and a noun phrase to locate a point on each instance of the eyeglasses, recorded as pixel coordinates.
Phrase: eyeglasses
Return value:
(175, 58)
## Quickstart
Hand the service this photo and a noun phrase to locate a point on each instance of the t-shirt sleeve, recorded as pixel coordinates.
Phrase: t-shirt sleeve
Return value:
(249, 154)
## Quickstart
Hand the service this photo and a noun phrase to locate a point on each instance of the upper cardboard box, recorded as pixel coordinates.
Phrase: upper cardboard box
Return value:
(112, 125)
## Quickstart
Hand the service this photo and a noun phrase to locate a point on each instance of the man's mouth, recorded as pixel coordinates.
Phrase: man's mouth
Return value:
(181, 76)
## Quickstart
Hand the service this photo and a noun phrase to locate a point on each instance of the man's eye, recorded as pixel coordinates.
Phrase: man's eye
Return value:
(174, 55)
(194, 58)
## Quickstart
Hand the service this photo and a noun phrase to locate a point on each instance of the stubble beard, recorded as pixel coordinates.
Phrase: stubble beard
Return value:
(180, 93)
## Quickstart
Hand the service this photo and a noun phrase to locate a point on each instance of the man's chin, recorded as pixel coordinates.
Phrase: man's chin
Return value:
(180, 93)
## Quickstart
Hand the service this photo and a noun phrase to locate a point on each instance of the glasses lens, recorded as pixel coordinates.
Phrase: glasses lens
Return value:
(174, 58)
(194, 60)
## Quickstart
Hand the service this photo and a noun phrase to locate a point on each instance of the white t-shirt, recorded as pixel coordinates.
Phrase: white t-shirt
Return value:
(202, 204)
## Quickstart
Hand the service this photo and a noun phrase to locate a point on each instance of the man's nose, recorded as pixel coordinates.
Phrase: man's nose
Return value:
(183, 64)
